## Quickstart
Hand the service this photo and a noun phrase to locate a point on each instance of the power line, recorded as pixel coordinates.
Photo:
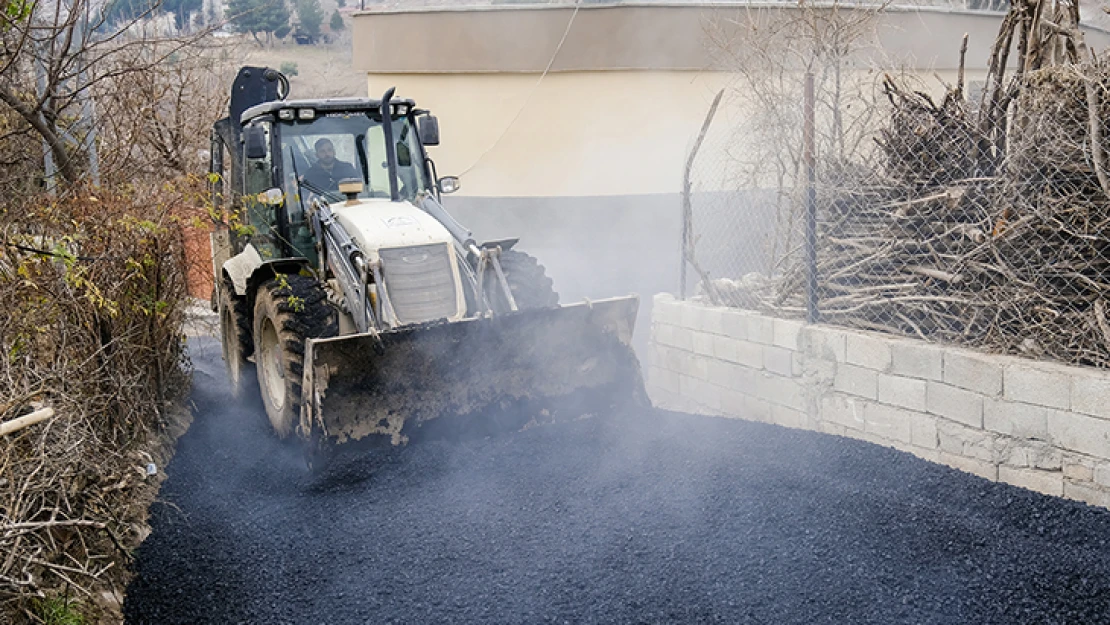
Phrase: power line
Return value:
(531, 93)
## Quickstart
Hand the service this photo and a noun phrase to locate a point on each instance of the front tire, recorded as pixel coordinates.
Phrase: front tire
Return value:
(235, 338)
(528, 282)
(287, 310)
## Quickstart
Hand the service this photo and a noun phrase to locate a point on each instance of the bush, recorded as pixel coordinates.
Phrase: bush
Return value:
(94, 292)
(289, 68)
(336, 23)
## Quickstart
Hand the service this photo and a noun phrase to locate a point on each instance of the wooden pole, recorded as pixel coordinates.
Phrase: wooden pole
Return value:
(19, 423)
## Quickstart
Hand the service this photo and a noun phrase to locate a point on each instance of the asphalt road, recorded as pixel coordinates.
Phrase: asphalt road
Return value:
(654, 517)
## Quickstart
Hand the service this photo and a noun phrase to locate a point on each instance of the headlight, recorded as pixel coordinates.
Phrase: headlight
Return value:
(306, 114)
(286, 114)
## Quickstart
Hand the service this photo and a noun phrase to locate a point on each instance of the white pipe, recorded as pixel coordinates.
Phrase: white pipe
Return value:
(17, 424)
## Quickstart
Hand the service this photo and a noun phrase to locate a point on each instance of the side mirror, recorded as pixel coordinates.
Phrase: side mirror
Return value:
(428, 126)
(448, 184)
(255, 140)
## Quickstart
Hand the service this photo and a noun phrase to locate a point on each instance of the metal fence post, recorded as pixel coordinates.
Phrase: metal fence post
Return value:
(812, 314)
(687, 207)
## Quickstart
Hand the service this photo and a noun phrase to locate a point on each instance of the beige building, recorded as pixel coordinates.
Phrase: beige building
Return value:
(585, 162)
(626, 90)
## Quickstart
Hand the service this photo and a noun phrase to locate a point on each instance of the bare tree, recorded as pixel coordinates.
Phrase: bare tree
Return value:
(768, 51)
(54, 54)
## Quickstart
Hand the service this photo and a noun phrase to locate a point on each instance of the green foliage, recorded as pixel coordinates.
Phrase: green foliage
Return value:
(310, 16)
(15, 11)
(289, 68)
(120, 12)
(59, 611)
(257, 16)
(283, 32)
(181, 10)
(336, 21)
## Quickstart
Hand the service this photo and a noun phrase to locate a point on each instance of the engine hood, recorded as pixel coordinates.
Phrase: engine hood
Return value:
(380, 223)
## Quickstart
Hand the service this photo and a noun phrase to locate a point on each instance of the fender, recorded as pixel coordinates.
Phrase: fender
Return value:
(247, 270)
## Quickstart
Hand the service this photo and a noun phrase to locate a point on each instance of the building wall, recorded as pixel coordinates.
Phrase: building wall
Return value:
(1037, 425)
(628, 36)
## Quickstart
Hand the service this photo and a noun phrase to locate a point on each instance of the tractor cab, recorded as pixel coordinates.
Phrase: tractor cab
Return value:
(284, 154)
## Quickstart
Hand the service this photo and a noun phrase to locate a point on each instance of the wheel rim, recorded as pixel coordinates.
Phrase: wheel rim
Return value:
(272, 370)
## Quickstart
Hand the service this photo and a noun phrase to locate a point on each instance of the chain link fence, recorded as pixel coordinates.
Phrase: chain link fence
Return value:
(980, 221)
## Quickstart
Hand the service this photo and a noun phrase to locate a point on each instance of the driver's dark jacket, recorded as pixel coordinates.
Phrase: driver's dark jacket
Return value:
(326, 180)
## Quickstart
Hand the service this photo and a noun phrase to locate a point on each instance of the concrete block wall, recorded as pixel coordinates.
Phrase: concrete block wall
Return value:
(1037, 425)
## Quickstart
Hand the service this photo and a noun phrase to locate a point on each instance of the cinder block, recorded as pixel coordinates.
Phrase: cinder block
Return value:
(1035, 454)
(661, 334)
(825, 342)
(761, 329)
(734, 403)
(954, 403)
(1087, 493)
(1102, 474)
(703, 344)
(923, 431)
(724, 348)
(983, 469)
(673, 359)
(778, 360)
(1079, 432)
(691, 315)
(757, 409)
(959, 439)
(734, 323)
(932, 455)
(749, 354)
(664, 309)
(871, 352)
(682, 338)
(975, 372)
(730, 375)
(1047, 482)
(888, 422)
(780, 390)
(842, 411)
(705, 393)
(788, 334)
(899, 391)
(828, 427)
(1040, 385)
(712, 320)
(916, 359)
(663, 298)
(1015, 419)
(857, 381)
(788, 417)
(1090, 393)
(663, 379)
(1079, 469)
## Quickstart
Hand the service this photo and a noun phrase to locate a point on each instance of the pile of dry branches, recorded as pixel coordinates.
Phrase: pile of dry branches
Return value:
(93, 287)
(985, 228)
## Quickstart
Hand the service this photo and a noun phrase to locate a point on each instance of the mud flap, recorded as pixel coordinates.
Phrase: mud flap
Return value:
(472, 377)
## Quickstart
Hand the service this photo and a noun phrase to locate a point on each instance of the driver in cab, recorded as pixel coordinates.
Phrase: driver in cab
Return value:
(328, 171)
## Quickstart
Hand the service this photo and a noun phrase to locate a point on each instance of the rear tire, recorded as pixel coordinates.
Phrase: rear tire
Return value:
(287, 310)
(528, 282)
(235, 339)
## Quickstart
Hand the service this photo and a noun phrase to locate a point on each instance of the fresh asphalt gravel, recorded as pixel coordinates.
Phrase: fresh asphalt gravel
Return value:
(654, 517)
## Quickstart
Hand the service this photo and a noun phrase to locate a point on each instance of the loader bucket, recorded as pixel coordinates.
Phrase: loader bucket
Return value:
(476, 376)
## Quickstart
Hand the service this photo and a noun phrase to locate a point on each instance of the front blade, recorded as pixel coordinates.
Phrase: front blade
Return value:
(474, 376)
